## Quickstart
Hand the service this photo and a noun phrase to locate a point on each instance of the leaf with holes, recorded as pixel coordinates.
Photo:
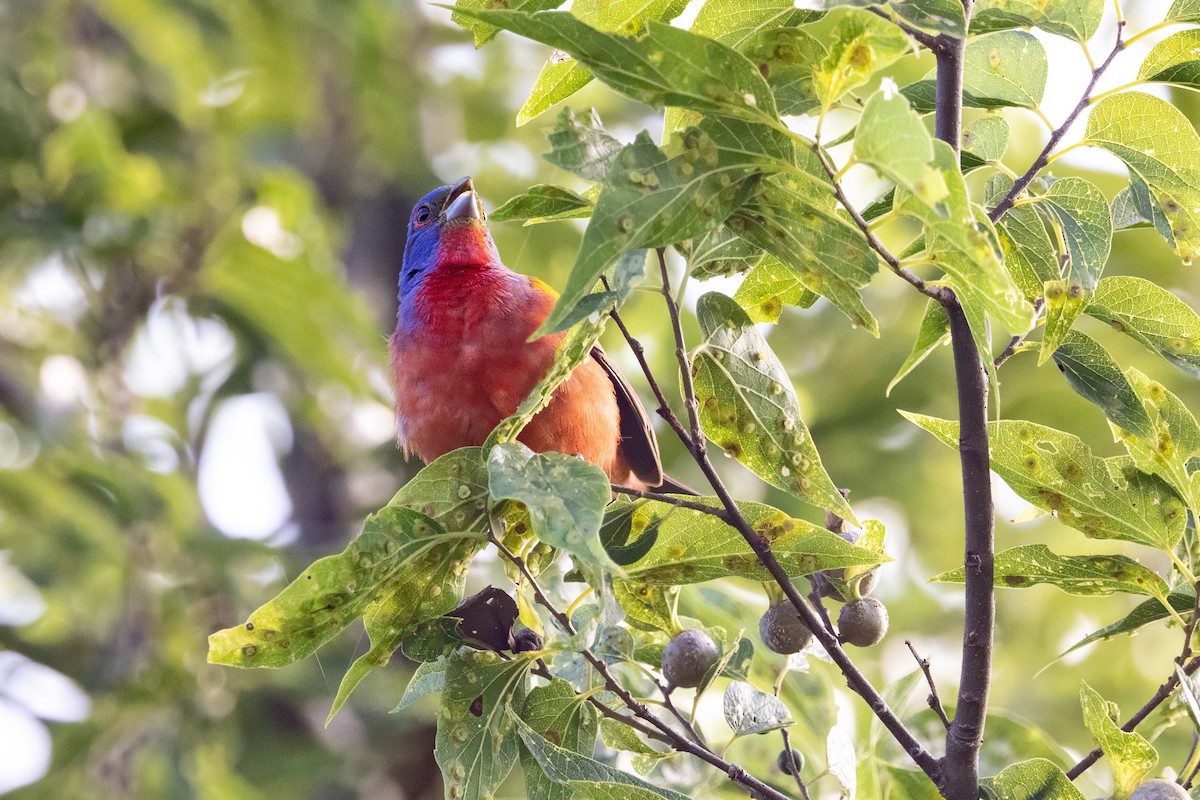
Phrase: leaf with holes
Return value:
(1151, 315)
(1086, 576)
(476, 746)
(749, 407)
(1159, 145)
(565, 496)
(1056, 471)
(1094, 375)
(749, 711)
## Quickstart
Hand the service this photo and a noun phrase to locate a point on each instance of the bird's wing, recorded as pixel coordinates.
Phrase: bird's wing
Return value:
(638, 444)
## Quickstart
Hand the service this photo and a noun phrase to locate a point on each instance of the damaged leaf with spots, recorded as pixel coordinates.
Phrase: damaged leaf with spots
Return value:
(1129, 755)
(1171, 440)
(768, 288)
(1056, 471)
(1086, 576)
(476, 745)
(1152, 316)
(748, 406)
(563, 718)
(663, 544)
(1094, 375)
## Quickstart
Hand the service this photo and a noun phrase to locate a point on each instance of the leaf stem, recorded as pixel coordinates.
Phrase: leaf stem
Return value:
(1153, 28)
(1123, 87)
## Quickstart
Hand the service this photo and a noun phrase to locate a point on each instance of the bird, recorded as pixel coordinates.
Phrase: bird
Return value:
(462, 360)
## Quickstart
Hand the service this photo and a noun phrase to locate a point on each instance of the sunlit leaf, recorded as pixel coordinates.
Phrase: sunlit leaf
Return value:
(749, 407)
(841, 759)
(1103, 498)
(1029, 253)
(1087, 576)
(482, 31)
(618, 736)
(1169, 441)
(580, 145)
(1075, 19)
(1006, 69)
(894, 141)
(1184, 11)
(476, 746)
(749, 711)
(1093, 373)
(984, 139)
(786, 57)
(428, 679)
(860, 45)
(770, 286)
(1129, 754)
(735, 22)
(1174, 60)
(648, 606)
(1036, 779)
(1151, 315)
(1181, 599)
(1158, 144)
(1082, 213)
(565, 496)
(669, 545)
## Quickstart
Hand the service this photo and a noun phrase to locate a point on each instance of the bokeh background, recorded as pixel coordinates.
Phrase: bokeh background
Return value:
(202, 213)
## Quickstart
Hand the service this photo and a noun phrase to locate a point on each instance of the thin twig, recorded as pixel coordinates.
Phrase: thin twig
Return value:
(1168, 687)
(1044, 157)
(715, 511)
(687, 724)
(1017, 340)
(935, 701)
(675, 739)
(690, 403)
(787, 748)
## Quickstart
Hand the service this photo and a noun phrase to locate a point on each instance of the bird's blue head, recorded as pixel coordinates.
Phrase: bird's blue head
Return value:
(447, 230)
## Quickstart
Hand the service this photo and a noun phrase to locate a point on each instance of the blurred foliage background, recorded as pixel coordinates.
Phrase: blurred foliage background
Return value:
(202, 213)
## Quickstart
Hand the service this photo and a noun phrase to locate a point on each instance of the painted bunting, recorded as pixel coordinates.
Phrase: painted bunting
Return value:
(462, 362)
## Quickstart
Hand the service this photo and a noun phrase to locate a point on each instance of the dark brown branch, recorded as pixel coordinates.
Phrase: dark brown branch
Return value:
(1166, 690)
(922, 38)
(762, 549)
(934, 700)
(715, 511)
(1056, 136)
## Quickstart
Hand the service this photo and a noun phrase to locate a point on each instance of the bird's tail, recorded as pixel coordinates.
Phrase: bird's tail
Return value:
(671, 486)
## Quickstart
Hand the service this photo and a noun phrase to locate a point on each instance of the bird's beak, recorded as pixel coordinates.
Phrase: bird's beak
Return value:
(463, 203)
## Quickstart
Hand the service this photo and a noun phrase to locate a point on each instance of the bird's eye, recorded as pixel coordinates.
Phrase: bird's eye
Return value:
(422, 215)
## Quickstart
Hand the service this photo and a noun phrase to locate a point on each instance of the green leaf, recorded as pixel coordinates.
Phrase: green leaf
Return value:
(1174, 60)
(482, 31)
(1094, 375)
(985, 139)
(934, 331)
(935, 16)
(1129, 754)
(964, 245)
(428, 679)
(1184, 11)
(1036, 779)
(651, 199)
(453, 490)
(787, 58)
(669, 545)
(579, 145)
(647, 606)
(749, 711)
(585, 775)
(1074, 19)
(1064, 303)
(663, 66)
(1006, 69)
(1151, 315)
(397, 561)
(735, 22)
(827, 254)
(543, 203)
(1159, 145)
(1172, 438)
(860, 45)
(1134, 207)
(619, 736)
(1086, 576)
(770, 286)
(1182, 599)
(475, 746)
(565, 496)
(1082, 213)
(893, 140)
(560, 78)
(1056, 471)
(556, 713)
(1029, 253)
(749, 407)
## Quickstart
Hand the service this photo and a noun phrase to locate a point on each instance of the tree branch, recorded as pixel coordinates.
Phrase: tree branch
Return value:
(923, 38)
(1056, 136)
(854, 677)
(934, 700)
